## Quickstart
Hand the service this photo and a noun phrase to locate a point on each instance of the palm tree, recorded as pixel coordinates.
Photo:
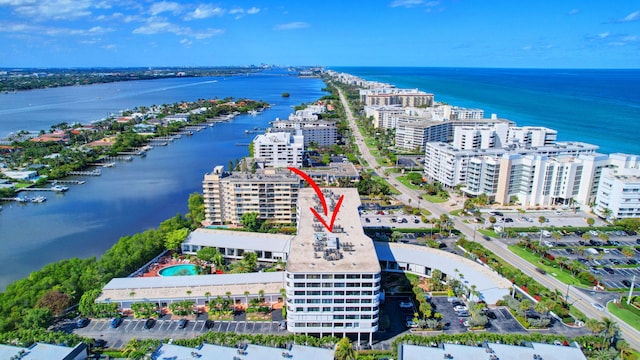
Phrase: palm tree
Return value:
(344, 350)
(594, 326)
(609, 331)
(541, 220)
(556, 236)
(624, 348)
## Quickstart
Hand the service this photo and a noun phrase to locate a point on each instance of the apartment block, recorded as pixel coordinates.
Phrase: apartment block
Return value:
(332, 279)
(320, 132)
(393, 96)
(618, 194)
(413, 134)
(272, 193)
(278, 149)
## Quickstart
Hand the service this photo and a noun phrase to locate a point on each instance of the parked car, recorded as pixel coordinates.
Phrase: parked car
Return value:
(508, 220)
(412, 324)
(367, 220)
(548, 243)
(115, 322)
(598, 306)
(491, 315)
(282, 325)
(459, 308)
(608, 269)
(463, 313)
(405, 305)
(99, 343)
(182, 323)
(149, 323)
(209, 324)
(82, 322)
(626, 283)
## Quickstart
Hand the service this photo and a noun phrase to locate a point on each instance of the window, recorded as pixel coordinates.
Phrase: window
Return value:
(327, 293)
(313, 276)
(326, 309)
(298, 276)
(327, 276)
(338, 317)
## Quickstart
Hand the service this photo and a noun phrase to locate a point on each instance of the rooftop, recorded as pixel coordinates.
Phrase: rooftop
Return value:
(240, 239)
(166, 287)
(346, 249)
(248, 352)
(493, 351)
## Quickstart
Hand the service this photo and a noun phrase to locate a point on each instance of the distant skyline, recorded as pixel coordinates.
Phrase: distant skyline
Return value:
(444, 33)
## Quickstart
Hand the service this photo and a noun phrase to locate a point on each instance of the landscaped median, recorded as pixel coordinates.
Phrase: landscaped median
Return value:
(628, 313)
(551, 267)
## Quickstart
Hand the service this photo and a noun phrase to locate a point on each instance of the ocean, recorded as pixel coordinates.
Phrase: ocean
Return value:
(596, 106)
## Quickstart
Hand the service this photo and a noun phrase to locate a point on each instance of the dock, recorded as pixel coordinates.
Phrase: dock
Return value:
(95, 172)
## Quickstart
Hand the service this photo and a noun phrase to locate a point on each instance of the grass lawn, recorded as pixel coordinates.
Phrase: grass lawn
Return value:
(456, 212)
(489, 233)
(556, 272)
(404, 181)
(626, 313)
(434, 199)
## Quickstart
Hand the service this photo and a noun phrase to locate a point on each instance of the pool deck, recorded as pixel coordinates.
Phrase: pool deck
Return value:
(164, 262)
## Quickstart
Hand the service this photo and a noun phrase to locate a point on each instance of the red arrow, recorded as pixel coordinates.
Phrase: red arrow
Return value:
(323, 201)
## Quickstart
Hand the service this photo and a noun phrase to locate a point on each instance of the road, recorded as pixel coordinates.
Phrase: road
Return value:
(582, 301)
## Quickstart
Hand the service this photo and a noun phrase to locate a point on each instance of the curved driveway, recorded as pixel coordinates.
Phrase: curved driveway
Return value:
(580, 300)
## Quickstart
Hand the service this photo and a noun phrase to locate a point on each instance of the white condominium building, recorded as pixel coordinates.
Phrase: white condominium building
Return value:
(448, 165)
(321, 132)
(278, 149)
(332, 279)
(384, 116)
(501, 134)
(413, 134)
(393, 96)
(271, 193)
(618, 194)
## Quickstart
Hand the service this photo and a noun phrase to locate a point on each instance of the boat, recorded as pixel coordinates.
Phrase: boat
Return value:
(59, 188)
(38, 199)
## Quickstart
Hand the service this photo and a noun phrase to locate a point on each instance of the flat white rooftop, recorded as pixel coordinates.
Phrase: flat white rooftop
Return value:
(257, 352)
(239, 240)
(355, 251)
(500, 351)
(169, 287)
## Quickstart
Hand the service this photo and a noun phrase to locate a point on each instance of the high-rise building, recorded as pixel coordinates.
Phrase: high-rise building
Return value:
(278, 149)
(272, 193)
(332, 279)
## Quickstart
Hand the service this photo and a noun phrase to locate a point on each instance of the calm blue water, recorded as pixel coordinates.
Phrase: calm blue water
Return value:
(132, 196)
(601, 107)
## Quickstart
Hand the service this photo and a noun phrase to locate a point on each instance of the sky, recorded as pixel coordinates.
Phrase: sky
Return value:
(439, 33)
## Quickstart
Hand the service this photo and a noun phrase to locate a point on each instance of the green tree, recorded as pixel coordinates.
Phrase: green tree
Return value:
(196, 209)
(175, 238)
(36, 318)
(251, 221)
(55, 301)
(207, 254)
(590, 221)
(344, 350)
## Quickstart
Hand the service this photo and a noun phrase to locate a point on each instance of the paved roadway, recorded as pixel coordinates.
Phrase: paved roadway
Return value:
(582, 301)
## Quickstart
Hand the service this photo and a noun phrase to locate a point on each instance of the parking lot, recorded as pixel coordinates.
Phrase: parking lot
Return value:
(167, 328)
(391, 219)
(602, 258)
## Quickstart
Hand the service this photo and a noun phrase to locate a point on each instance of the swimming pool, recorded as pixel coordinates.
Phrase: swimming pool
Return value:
(179, 270)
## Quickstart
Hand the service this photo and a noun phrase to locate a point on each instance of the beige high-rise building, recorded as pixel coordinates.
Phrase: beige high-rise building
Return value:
(272, 193)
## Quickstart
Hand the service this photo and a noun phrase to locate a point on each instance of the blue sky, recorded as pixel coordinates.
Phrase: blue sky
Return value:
(466, 33)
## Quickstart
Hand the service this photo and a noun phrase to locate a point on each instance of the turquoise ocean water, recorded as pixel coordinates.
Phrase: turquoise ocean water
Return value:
(601, 107)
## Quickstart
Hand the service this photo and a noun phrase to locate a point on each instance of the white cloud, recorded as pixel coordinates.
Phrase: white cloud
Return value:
(253, 10)
(160, 26)
(574, 11)
(603, 35)
(406, 3)
(634, 16)
(186, 42)
(414, 3)
(110, 47)
(51, 9)
(527, 48)
(205, 11)
(51, 31)
(292, 26)
(165, 6)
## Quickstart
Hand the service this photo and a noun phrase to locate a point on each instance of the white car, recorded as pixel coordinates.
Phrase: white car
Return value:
(412, 324)
(406, 305)
(460, 308)
(598, 306)
(548, 243)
